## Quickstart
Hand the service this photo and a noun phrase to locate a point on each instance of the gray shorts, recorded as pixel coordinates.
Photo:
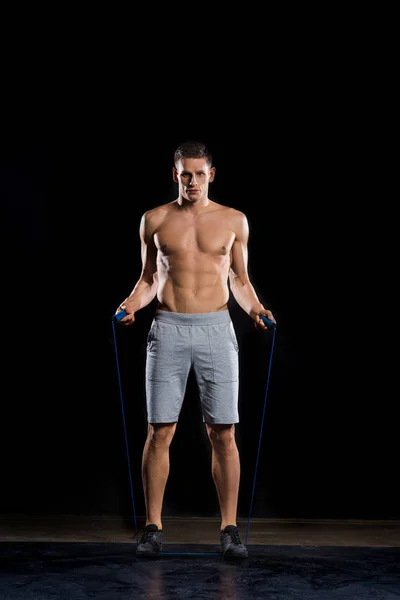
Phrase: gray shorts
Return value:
(178, 342)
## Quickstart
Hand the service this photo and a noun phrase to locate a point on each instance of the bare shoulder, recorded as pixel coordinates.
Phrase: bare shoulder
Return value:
(154, 216)
(156, 213)
(152, 219)
(237, 215)
(236, 220)
(230, 213)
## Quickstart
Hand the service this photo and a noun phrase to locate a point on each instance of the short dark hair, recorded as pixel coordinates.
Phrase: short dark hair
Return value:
(192, 149)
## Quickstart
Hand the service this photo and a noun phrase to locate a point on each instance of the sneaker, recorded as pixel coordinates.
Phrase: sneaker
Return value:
(150, 543)
(231, 543)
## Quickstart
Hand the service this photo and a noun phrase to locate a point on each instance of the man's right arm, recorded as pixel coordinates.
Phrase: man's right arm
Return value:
(146, 287)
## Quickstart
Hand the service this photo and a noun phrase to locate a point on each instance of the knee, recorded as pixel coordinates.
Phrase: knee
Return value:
(161, 434)
(222, 436)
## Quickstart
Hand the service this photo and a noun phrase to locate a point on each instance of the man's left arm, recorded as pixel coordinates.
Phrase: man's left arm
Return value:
(240, 284)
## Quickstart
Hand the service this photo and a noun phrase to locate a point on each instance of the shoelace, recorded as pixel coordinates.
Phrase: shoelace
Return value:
(235, 537)
(146, 537)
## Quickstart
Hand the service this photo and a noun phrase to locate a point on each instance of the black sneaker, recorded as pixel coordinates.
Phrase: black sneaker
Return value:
(231, 543)
(150, 543)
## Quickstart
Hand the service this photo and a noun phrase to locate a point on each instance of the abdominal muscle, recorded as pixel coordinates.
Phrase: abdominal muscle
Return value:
(193, 284)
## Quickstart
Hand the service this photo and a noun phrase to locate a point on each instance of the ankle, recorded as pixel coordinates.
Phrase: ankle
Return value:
(156, 522)
(226, 523)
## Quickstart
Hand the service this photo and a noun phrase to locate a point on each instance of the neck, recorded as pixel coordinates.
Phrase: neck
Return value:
(193, 207)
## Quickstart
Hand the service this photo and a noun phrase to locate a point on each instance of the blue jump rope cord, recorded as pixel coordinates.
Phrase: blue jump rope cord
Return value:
(127, 445)
(261, 432)
(126, 436)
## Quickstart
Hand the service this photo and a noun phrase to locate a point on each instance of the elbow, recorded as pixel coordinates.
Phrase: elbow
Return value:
(237, 280)
(154, 284)
(149, 279)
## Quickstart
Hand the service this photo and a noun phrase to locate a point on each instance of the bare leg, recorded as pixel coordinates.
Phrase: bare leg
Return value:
(155, 468)
(225, 467)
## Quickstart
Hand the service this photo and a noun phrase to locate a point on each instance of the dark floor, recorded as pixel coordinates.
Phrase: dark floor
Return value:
(94, 557)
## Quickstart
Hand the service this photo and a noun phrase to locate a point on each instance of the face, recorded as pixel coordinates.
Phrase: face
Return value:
(193, 176)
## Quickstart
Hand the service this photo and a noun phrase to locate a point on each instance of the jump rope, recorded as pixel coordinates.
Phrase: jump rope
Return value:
(117, 317)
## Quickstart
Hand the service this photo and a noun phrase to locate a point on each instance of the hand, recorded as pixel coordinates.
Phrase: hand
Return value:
(259, 323)
(129, 319)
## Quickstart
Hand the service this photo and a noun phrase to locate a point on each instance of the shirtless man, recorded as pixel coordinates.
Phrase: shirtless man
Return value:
(190, 248)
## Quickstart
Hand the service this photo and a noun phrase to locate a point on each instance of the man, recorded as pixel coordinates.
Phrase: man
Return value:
(191, 247)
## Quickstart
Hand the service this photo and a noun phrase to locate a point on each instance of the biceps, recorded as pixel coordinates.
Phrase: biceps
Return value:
(238, 260)
(149, 261)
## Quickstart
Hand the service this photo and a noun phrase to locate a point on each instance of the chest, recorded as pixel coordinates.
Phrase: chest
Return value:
(203, 235)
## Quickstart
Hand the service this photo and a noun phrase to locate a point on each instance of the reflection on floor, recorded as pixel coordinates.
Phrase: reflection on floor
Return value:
(94, 557)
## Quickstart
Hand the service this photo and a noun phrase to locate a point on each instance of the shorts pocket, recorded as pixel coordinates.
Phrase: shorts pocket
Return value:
(151, 334)
(224, 353)
(233, 336)
(161, 363)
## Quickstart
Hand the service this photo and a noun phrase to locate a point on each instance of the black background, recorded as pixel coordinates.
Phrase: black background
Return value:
(79, 166)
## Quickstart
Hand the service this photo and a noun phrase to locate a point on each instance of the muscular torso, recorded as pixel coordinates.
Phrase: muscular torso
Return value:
(193, 257)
